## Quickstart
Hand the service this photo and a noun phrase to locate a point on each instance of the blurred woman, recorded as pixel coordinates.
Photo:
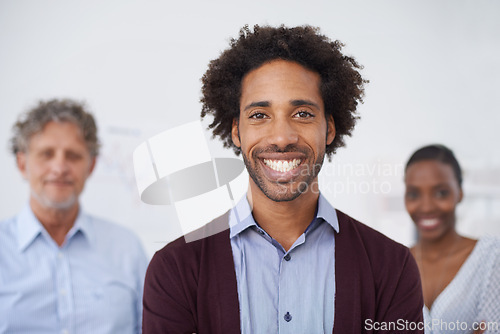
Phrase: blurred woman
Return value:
(460, 276)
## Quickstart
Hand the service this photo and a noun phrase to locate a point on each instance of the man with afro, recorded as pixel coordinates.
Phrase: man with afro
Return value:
(288, 262)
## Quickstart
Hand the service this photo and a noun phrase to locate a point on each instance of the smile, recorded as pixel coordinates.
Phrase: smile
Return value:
(428, 223)
(282, 166)
(59, 183)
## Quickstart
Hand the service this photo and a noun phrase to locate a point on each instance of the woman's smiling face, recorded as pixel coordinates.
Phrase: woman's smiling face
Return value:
(432, 194)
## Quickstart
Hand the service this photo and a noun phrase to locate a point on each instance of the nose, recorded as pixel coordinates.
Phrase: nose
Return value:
(427, 204)
(59, 164)
(283, 133)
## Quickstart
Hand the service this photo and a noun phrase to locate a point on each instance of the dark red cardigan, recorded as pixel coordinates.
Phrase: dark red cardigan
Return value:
(191, 287)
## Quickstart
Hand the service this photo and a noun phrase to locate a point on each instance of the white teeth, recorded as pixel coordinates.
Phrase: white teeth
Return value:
(429, 222)
(282, 165)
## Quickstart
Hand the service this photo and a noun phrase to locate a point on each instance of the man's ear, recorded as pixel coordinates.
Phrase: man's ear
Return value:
(92, 164)
(330, 133)
(235, 135)
(21, 163)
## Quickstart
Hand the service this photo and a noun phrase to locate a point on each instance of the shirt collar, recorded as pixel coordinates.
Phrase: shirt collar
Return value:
(328, 213)
(29, 228)
(83, 224)
(241, 217)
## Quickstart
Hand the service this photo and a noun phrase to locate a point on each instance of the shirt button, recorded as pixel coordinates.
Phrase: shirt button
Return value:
(64, 331)
(288, 317)
(287, 257)
(59, 255)
(62, 292)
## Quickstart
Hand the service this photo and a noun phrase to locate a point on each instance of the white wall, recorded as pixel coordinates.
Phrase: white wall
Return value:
(433, 69)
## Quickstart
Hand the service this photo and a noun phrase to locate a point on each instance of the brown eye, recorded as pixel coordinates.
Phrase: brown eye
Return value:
(443, 193)
(46, 154)
(304, 114)
(411, 195)
(73, 156)
(258, 115)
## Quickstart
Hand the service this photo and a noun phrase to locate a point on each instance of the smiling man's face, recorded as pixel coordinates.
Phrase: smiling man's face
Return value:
(56, 165)
(282, 130)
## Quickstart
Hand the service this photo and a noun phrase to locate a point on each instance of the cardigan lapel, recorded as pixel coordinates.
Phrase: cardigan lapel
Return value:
(217, 250)
(348, 285)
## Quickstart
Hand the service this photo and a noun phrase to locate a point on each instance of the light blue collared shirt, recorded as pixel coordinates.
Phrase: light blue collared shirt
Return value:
(285, 292)
(91, 284)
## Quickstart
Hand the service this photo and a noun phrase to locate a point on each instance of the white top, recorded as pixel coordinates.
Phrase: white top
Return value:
(472, 296)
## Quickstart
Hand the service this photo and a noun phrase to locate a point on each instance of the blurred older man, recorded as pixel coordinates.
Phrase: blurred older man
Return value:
(62, 270)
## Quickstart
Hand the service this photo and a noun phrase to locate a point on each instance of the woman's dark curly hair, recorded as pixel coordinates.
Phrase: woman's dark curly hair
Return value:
(342, 86)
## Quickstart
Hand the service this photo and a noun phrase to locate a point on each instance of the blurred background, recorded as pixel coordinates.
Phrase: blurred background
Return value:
(434, 76)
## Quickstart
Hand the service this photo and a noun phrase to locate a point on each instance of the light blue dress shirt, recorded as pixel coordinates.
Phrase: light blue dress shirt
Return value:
(285, 292)
(91, 284)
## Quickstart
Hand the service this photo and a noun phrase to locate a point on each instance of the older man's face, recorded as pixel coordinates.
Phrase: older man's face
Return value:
(56, 165)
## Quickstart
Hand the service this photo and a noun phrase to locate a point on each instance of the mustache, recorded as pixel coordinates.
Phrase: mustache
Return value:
(275, 149)
(59, 180)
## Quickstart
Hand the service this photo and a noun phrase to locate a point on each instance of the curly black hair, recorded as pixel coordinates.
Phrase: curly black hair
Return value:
(342, 86)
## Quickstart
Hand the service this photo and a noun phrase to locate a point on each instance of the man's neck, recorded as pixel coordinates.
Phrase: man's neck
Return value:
(283, 221)
(57, 222)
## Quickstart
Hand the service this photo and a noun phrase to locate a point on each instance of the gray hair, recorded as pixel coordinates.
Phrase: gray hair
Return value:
(64, 110)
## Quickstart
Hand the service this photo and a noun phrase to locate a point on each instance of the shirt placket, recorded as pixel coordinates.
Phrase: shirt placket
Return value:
(64, 292)
(286, 309)
(285, 314)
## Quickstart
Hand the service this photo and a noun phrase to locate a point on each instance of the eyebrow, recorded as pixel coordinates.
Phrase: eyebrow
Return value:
(441, 185)
(294, 103)
(262, 104)
(297, 103)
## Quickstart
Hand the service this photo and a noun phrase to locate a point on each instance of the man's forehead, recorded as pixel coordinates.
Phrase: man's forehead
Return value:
(67, 128)
(280, 68)
(282, 72)
(57, 134)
